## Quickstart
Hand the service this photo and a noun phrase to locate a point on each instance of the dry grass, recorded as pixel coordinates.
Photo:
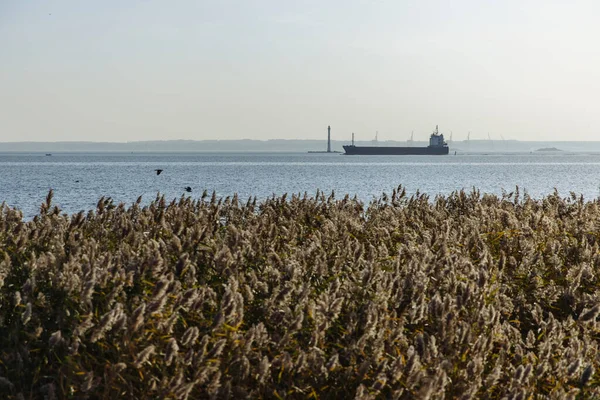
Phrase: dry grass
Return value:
(464, 296)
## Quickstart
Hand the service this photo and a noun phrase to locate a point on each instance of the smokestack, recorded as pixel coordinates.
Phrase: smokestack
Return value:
(352, 138)
(329, 139)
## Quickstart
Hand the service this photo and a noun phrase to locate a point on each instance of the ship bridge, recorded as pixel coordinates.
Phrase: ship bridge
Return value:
(437, 139)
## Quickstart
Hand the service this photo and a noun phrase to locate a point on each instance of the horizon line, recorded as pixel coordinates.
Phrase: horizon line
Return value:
(297, 140)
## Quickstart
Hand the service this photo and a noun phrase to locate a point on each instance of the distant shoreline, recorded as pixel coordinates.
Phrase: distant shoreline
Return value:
(281, 146)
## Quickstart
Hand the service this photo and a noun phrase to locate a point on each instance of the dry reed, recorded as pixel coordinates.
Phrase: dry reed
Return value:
(460, 296)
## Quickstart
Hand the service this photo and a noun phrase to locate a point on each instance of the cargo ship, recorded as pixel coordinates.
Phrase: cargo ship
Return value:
(437, 146)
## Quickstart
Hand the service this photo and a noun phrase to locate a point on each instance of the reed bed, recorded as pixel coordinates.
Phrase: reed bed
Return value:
(459, 296)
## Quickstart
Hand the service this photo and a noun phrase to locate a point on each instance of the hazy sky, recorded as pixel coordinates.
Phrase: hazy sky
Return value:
(192, 69)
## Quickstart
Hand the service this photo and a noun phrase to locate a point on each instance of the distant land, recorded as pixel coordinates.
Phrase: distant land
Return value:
(283, 145)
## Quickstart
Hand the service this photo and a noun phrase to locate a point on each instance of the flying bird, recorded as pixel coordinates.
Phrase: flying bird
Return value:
(188, 189)
(158, 171)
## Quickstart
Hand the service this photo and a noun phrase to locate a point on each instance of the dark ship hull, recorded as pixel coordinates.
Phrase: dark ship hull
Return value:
(395, 151)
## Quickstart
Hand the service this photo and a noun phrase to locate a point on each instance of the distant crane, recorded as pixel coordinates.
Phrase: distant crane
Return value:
(376, 140)
(468, 140)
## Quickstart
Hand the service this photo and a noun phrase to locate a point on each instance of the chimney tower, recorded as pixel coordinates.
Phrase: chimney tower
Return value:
(329, 139)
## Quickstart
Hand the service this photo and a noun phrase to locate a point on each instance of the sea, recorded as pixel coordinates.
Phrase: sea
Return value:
(79, 180)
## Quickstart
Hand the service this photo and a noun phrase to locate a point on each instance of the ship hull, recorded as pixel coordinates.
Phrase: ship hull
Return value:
(395, 151)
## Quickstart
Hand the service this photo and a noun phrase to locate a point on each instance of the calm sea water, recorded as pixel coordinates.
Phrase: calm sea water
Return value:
(79, 180)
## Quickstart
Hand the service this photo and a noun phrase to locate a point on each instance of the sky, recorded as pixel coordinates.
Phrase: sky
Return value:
(132, 70)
